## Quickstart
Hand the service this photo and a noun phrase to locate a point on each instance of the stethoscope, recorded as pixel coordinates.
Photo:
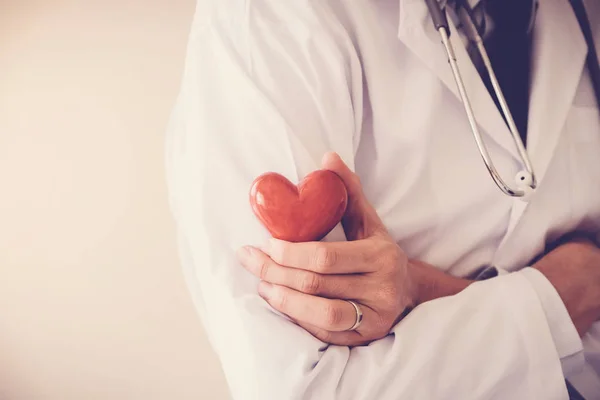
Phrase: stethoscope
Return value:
(525, 179)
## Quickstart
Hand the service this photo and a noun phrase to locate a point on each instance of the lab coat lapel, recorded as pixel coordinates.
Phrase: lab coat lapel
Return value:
(416, 31)
(558, 59)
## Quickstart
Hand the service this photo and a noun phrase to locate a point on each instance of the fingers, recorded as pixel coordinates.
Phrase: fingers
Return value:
(358, 256)
(309, 282)
(347, 338)
(326, 314)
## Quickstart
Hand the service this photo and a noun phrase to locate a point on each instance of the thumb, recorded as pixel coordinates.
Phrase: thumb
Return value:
(360, 220)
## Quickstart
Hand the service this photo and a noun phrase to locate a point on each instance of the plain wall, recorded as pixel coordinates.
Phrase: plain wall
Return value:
(92, 300)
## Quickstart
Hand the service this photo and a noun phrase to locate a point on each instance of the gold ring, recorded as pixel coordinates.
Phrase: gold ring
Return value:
(359, 316)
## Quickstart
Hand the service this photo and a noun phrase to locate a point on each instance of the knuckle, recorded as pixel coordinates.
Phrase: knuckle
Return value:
(333, 316)
(390, 255)
(279, 300)
(310, 284)
(325, 258)
(264, 269)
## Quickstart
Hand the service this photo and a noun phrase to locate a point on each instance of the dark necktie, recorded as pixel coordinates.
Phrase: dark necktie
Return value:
(509, 49)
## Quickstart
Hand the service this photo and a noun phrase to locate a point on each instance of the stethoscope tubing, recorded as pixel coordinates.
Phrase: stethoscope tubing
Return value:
(525, 180)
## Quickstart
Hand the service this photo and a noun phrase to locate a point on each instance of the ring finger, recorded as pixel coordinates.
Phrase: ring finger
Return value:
(327, 314)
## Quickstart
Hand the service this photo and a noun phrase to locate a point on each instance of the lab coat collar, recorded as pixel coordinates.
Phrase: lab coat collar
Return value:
(416, 31)
(558, 60)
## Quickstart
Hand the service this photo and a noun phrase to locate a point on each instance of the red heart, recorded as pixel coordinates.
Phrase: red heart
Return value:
(302, 213)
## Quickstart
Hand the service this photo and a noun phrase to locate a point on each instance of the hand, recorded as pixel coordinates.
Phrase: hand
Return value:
(573, 269)
(309, 282)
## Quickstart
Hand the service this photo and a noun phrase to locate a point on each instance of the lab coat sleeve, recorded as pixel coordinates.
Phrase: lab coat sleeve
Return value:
(269, 97)
(569, 346)
(564, 334)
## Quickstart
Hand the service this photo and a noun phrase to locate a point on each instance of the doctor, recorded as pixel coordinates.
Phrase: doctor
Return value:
(273, 85)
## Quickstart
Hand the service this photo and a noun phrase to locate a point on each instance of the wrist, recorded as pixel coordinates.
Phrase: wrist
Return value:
(430, 283)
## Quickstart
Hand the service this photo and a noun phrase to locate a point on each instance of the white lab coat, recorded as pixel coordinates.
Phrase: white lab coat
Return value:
(271, 85)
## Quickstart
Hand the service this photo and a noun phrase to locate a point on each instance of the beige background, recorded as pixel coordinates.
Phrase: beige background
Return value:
(92, 301)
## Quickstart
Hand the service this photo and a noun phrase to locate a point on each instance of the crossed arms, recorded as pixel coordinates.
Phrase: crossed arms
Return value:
(234, 121)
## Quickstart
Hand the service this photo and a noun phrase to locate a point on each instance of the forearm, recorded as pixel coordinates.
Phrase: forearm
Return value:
(573, 270)
(566, 281)
(569, 312)
(433, 283)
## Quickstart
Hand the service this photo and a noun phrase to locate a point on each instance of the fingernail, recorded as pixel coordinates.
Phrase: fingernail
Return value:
(265, 290)
(329, 157)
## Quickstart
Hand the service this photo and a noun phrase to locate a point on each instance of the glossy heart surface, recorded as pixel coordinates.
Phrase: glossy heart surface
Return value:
(303, 213)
